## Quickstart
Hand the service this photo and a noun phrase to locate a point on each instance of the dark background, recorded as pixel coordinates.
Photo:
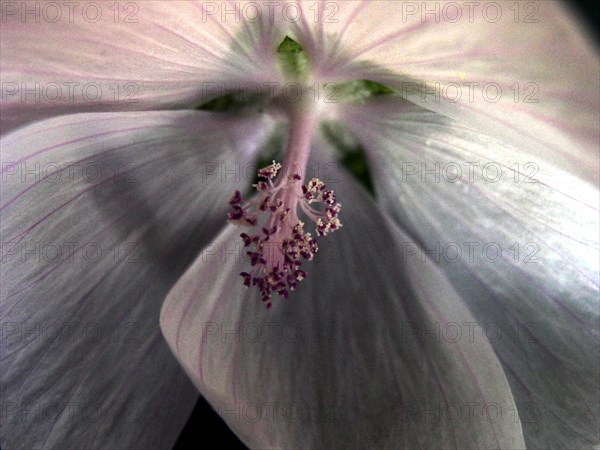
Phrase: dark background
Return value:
(588, 11)
(205, 426)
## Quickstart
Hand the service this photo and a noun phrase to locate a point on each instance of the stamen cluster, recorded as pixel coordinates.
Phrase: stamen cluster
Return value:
(316, 191)
(277, 251)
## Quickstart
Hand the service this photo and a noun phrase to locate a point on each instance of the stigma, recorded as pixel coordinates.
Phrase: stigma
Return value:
(278, 245)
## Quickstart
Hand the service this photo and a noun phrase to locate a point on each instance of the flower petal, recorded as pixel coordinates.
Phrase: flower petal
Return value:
(522, 71)
(346, 361)
(101, 213)
(122, 57)
(520, 251)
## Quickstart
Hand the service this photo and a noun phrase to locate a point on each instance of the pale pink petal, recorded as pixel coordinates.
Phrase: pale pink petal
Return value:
(346, 361)
(521, 251)
(101, 213)
(525, 72)
(136, 56)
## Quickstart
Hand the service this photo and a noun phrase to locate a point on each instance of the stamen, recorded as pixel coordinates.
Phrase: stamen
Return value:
(278, 249)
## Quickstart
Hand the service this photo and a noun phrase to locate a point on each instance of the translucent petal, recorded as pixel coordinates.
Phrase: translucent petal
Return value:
(521, 252)
(525, 72)
(126, 56)
(101, 213)
(354, 359)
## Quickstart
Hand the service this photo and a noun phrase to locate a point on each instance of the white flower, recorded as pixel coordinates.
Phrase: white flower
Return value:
(459, 310)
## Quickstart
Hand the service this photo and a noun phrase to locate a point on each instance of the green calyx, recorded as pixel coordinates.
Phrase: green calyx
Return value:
(294, 64)
(356, 91)
(288, 45)
(291, 59)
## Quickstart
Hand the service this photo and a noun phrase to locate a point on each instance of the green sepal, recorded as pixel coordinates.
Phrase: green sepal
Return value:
(292, 59)
(358, 91)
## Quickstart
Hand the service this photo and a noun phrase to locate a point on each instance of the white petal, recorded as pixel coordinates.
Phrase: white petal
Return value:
(100, 215)
(520, 251)
(337, 365)
(521, 71)
(136, 56)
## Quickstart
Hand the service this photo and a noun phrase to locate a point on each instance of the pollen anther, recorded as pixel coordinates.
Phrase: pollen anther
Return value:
(276, 252)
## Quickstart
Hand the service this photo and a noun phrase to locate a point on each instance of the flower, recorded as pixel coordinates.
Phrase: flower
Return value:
(115, 193)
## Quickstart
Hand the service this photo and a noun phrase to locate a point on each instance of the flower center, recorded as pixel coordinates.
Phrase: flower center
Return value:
(278, 245)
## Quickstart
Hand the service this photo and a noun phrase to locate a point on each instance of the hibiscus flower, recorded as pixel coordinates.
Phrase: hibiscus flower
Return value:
(456, 307)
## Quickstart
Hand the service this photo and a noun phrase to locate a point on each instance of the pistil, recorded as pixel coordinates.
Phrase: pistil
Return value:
(277, 251)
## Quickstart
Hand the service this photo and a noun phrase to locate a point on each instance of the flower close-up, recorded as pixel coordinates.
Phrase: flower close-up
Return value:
(332, 224)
